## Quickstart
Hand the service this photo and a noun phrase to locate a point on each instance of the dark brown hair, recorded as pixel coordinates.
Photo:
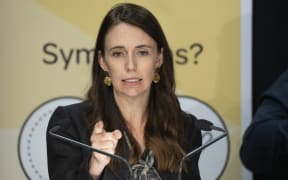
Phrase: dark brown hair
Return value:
(164, 129)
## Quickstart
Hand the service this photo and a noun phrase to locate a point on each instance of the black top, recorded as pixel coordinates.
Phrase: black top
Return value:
(68, 162)
(264, 150)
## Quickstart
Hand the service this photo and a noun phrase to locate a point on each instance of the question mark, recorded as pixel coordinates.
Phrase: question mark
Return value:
(200, 47)
(207, 136)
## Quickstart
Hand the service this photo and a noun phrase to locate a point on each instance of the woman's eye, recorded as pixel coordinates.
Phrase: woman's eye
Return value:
(117, 54)
(143, 53)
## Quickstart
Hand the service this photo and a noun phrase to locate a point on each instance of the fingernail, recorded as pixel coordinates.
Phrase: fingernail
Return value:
(117, 134)
(99, 123)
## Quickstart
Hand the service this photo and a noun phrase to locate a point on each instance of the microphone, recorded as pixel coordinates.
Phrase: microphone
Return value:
(85, 146)
(204, 125)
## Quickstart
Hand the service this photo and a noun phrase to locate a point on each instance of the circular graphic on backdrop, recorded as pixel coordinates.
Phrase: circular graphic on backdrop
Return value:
(32, 138)
(213, 159)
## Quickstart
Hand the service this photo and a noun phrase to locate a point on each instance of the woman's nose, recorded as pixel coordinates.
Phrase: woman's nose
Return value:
(131, 63)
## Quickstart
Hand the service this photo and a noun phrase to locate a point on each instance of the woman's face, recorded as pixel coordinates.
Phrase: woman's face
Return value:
(131, 59)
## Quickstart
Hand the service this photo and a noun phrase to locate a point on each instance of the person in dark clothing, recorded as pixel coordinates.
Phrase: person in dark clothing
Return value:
(131, 108)
(264, 150)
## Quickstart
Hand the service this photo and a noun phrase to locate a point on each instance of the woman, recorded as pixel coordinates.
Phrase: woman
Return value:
(131, 108)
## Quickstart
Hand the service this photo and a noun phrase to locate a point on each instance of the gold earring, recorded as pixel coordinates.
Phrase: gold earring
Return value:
(156, 77)
(107, 80)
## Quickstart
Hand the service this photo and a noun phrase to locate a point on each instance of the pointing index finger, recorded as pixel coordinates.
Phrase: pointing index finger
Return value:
(98, 128)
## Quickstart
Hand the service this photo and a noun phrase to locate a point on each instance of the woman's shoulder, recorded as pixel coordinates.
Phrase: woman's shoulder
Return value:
(188, 120)
(69, 115)
(74, 110)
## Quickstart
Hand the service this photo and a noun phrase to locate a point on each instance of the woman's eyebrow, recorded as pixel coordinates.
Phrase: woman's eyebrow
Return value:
(116, 47)
(144, 46)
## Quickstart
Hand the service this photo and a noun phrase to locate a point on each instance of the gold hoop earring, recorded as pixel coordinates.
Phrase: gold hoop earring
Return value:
(107, 80)
(156, 78)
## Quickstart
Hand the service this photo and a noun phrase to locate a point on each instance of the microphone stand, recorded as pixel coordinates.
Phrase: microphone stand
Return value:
(200, 148)
(79, 144)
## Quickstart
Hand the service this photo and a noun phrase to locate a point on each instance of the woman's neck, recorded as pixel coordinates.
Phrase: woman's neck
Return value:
(134, 111)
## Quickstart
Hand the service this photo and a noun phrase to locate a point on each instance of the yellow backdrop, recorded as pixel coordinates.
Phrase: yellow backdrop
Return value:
(45, 47)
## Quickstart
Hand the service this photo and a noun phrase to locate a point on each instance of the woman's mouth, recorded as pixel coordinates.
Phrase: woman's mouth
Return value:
(132, 81)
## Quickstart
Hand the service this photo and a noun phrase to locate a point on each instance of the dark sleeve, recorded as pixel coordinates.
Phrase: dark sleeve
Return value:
(265, 142)
(192, 140)
(65, 161)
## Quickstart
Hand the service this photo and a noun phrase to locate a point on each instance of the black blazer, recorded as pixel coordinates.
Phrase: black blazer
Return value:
(264, 150)
(68, 162)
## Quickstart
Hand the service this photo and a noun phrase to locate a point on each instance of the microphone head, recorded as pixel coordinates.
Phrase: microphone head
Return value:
(203, 124)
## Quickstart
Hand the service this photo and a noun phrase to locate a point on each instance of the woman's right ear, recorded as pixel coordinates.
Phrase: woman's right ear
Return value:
(102, 62)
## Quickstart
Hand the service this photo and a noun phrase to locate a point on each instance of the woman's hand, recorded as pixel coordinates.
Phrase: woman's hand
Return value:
(105, 141)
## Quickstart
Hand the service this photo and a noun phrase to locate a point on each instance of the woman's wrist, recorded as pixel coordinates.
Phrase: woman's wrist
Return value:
(95, 169)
